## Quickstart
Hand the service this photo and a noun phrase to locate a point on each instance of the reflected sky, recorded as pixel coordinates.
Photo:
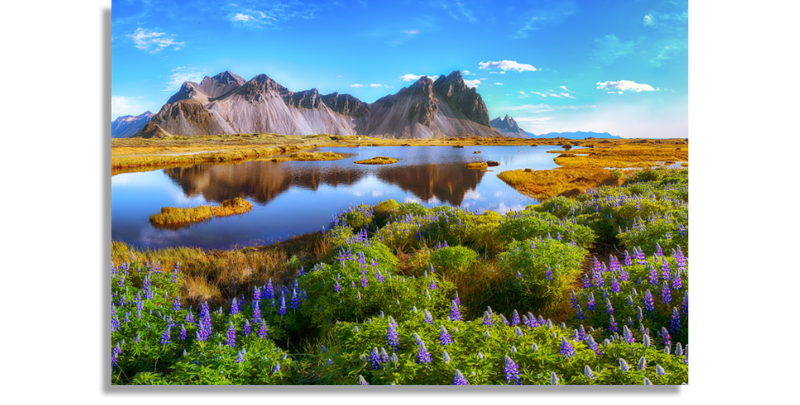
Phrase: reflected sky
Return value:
(292, 198)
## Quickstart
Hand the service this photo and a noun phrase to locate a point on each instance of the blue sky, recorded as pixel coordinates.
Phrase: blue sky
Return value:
(603, 66)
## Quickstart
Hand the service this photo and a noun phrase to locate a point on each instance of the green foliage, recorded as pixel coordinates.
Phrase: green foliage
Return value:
(453, 259)
(531, 224)
(531, 259)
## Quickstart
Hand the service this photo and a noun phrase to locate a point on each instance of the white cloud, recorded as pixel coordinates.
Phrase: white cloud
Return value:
(564, 88)
(483, 78)
(624, 85)
(648, 20)
(242, 17)
(499, 84)
(375, 85)
(472, 83)
(492, 73)
(377, 193)
(541, 94)
(152, 41)
(271, 14)
(412, 77)
(502, 73)
(182, 74)
(507, 65)
(466, 72)
(522, 92)
(567, 95)
(410, 32)
(121, 105)
(554, 95)
(357, 85)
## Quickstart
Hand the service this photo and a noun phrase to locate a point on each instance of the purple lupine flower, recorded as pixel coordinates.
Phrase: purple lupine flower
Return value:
(573, 299)
(337, 287)
(548, 274)
(456, 299)
(256, 311)
(666, 294)
(614, 284)
(649, 303)
(262, 331)
(432, 285)
(444, 337)
(391, 336)
(189, 317)
(685, 304)
(612, 325)
(234, 307)
(182, 335)
(428, 316)
(423, 356)
(591, 304)
(115, 324)
(114, 361)
(364, 281)
(176, 303)
(295, 300)
(148, 292)
(597, 279)
(677, 283)
(675, 321)
(459, 379)
(627, 335)
(588, 372)
(593, 346)
(653, 276)
(515, 318)
(455, 314)
(658, 250)
(666, 339)
(375, 359)
(277, 368)
(609, 308)
(580, 315)
(231, 336)
(566, 348)
(239, 357)
(628, 261)
(246, 330)
(165, 337)
(361, 380)
(379, 276)
(586, 283)
(282, 310)
(384, 356)
(127, 317)
(268, 292)
(512, 371)
(665, 269)
(487, 320)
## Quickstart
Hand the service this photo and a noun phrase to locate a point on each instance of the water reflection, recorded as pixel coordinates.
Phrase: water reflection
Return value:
(264, 181)
(258, 181)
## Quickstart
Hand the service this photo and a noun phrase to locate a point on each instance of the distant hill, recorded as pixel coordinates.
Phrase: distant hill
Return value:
(508, 127)
(128, 125)
(229, 104)
(575, 135)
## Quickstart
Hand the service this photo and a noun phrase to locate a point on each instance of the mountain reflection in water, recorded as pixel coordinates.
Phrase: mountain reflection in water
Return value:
(264, 181)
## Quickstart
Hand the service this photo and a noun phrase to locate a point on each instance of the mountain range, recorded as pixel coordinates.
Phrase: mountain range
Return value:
(508, 127)
(575, 135)
(228, 104)
(128, 125)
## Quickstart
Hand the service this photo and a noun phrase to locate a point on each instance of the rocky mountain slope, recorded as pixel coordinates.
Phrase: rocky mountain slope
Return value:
(508, 127)
(128, 125)
(227, 104)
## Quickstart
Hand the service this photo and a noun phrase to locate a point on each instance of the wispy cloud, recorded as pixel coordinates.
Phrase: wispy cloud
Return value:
(467, 13)
(357, 85)
(182, 74)
(467, 72)
(567, 95)
(608, 48)
(259, 15)
(375, 85)
(540, 94)
(121, 105)
(624, 85)
(412, 77)
(473, 83)
(499, 84)
(506, 65)
(153, 41)
(410, 32)
(549, 12)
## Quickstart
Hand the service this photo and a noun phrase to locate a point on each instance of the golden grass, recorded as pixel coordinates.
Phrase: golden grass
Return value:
(377, 160)
(476, 152)
(569, 181)
(477, 165)
(633, 153)
(309, 156)
(219, 275)
(183, 217)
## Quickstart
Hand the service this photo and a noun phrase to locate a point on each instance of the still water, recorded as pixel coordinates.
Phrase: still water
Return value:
(292, 198)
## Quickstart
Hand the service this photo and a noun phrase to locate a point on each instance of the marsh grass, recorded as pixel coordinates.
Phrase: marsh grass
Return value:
(567, 181)
(477, 165)
(623, 155)
(184, 217)
(308, 156)
(378, 160)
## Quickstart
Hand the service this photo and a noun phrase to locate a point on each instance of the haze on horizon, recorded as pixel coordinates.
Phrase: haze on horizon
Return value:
(554, 66)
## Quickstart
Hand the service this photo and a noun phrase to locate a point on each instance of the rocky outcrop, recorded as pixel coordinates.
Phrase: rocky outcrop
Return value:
(508, 127)
(226, 104)
(128, 125)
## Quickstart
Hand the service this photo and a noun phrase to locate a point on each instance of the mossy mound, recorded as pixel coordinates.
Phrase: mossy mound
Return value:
(378, 160)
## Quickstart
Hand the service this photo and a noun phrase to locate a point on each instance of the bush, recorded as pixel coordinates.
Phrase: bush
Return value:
(452, 260)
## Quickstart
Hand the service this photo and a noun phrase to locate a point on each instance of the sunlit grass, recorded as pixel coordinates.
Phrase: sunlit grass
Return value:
(177, 217)
(477, 165)
(543, 184)
(378, 160)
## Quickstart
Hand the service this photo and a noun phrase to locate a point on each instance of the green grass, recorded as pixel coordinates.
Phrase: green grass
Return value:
(183, 217)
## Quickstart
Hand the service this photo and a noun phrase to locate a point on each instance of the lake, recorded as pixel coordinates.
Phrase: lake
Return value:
(292, 198)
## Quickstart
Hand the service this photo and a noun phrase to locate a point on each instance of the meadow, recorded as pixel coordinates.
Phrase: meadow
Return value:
(585, 289)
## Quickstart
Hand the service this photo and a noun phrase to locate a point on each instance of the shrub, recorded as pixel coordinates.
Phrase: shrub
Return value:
(452, 260)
